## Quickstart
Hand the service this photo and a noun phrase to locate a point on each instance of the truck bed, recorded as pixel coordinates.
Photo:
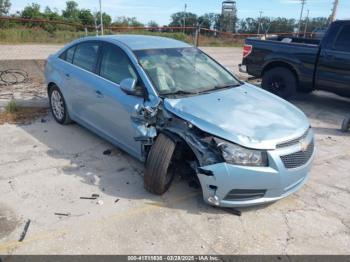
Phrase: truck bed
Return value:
(303, 51)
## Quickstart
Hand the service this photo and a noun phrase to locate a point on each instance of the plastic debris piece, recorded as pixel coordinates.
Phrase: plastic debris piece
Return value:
(25, 230)
(107, 152)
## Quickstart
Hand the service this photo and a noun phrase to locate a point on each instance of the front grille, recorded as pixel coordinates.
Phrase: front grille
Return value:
(293, 141)
(299, 158)
(244, 194)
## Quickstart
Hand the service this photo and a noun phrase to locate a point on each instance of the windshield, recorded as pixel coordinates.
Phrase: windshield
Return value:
(184, 71)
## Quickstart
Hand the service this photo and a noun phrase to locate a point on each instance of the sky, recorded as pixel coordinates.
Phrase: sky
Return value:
(160, 10)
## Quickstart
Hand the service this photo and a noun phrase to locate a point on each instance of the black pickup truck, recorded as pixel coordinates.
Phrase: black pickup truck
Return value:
(287, 65)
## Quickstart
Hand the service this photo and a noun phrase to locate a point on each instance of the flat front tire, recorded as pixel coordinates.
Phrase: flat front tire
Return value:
(280, 81)
(160, 169)
(58, 106)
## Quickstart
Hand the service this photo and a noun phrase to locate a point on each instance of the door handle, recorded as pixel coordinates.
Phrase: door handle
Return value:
(67, 75)
(98, 93)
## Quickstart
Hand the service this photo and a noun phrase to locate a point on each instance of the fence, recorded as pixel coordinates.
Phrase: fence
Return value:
(16, 29)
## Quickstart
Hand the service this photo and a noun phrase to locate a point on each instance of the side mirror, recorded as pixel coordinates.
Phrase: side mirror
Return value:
(129, 87)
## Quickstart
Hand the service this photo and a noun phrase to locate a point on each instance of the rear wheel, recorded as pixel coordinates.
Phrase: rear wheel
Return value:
(346, 125)
(160, 168)
(58, 106)
(280, 81)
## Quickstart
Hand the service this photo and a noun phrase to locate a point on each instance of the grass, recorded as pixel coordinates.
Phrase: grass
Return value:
(11, 107)
(14, 114)
(20, 35)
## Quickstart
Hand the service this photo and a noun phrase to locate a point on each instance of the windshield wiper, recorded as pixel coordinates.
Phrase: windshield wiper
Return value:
(180, 92)
(225, 86)
(220, 87)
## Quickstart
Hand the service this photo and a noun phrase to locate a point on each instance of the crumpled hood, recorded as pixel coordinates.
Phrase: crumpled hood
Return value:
(245, 115)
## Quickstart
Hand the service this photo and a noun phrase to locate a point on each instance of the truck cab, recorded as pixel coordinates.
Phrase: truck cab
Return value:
(288, 64)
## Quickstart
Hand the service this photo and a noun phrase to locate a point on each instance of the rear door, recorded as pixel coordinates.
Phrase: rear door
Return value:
(333, 69)
(82, 82)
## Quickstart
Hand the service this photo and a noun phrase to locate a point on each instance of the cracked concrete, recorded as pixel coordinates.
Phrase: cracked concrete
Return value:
(45, 168)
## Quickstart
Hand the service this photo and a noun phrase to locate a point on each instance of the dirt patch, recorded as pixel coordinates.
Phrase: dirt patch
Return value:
(8, 221)
(23, 115)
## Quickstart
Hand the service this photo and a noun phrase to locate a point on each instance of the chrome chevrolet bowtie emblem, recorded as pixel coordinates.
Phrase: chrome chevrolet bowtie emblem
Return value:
(303, 145)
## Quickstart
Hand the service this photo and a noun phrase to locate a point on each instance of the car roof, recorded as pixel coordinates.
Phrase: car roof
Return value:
(141, 42)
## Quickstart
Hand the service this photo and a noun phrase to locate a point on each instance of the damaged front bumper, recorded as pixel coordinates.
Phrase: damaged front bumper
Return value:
(230, 185)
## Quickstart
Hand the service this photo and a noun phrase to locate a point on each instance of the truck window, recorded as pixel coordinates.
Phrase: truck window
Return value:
(343, 40)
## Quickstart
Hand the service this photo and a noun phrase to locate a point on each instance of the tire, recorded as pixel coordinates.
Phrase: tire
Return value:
(159, 170)
(280, 81)
(346, 125)
(62, 117)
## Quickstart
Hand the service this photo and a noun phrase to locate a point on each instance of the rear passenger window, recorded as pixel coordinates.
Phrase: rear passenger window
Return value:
(86, 55)
(115, 65)
(343, 40)
(68, 55)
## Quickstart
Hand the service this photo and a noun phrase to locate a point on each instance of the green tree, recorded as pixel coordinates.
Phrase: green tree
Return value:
(152, 24)
(5, 7)
(86, 17)
(205, 20)
(51, 14)
(71, 12)
(32, 11)
(107, 19)
(183, 18)
(123, 21)
(313, 23)
(249, 25)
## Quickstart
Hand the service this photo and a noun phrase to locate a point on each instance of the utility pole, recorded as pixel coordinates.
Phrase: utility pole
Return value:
(261, 12)
(303, 2)
(334, 11)
(184, 25)
(96, 28)
(101, 20)
(306, 22)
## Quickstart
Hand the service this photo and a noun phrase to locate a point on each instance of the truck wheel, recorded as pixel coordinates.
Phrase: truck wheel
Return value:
(280, 81)
(346, 125)
(160, 170)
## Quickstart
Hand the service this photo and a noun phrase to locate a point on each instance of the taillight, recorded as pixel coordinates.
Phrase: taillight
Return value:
(247, 49)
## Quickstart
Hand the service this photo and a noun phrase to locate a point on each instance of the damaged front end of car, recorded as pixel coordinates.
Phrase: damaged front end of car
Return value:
(196, 150)
(231, 173)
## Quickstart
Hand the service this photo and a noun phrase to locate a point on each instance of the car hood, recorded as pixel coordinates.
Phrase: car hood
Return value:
(245, 115)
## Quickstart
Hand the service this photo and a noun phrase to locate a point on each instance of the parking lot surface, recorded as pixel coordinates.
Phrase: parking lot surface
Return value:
(46, 168)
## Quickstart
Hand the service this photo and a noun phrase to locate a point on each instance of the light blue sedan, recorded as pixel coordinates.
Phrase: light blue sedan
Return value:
(175, 108)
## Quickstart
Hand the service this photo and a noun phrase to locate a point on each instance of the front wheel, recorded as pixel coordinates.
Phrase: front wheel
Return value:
(280, 81)
(160, 169)
(58, 106)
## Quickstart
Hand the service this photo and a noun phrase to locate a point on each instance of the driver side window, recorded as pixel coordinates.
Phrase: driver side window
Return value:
(115, 65)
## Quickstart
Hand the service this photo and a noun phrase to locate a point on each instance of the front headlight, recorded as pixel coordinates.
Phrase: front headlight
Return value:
(237, 155)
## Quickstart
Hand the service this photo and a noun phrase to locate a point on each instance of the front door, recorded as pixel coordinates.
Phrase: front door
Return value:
(114, 108)
(333, 69)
